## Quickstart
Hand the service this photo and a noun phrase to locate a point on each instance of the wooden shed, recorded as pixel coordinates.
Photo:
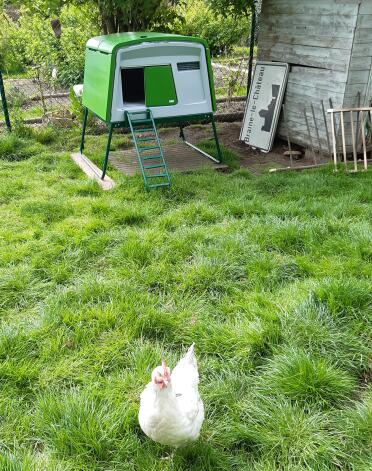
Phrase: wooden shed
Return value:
(328, 44)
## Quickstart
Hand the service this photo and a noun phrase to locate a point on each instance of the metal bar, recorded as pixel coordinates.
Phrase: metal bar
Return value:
(288, 138)
(343, 137)
(363, 123)
(310, 138)
(353, 142)
(216, 140)
(316, 127)
(85, 117)
(111, 128)
(182, 133)
(4, 103)
(326, 128)
(357, 129)
(334, 140)
(202, 152)
(251, 48)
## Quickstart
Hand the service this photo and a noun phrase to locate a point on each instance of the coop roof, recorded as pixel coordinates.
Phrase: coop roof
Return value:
(111, 42)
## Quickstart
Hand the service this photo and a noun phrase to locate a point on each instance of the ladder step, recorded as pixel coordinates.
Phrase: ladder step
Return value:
(141, 121)
(142, 149)
(143, 139)
(150, 157)
(157, 175)
(153, 166)
(143, 130)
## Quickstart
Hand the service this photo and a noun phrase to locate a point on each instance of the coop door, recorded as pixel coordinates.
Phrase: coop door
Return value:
(133, 85)
(159, 86)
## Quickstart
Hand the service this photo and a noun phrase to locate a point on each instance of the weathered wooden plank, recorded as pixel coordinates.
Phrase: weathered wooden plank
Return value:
(358, 76)
(272, 38)
(365, 8)
(364, 21)
(319, 79)
(332, 22)
(306, 55)
(298, 101)
(316, 94)
(295, 8)
(362, 50)
(92, 171)
(311, 29)
(360, 63)
(363, 35)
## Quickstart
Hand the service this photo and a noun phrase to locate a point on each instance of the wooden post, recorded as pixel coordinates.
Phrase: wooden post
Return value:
(354, 142)
(343, 137)
(334, 140)
(363, 123)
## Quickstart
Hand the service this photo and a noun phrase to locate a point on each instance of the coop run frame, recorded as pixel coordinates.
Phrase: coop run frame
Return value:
(146, 79)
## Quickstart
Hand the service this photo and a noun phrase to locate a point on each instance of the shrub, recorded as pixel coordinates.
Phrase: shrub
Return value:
(222, 33)
(32, 41)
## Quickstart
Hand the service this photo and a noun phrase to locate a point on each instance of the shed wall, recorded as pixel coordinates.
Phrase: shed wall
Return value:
(317, 40)
(359, 78)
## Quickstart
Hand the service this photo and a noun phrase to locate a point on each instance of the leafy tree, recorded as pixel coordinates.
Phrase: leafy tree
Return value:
(115, 15)
(233, 7)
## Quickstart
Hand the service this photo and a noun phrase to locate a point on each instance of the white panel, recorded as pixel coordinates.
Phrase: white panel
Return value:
(192, 86)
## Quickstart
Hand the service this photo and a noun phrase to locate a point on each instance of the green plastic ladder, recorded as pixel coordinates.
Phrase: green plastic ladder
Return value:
(149, 151)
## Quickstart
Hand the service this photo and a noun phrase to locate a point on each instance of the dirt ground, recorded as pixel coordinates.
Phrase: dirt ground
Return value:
(256, 161)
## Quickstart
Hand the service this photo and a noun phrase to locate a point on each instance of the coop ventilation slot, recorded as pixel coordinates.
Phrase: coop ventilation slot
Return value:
(133, 85)
(181, 66)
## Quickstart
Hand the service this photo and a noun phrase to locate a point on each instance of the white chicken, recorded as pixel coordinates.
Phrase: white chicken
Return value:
(171, 410)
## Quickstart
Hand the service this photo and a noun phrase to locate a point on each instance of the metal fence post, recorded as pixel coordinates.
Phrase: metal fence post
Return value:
(4, 103)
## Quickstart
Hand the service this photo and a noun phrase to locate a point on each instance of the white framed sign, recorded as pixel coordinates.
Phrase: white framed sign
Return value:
(263, 106)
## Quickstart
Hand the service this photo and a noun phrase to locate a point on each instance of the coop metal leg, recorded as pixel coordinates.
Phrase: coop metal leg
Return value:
(111, 128)
(216, 139)
(182, 134)
(85, 117)
(4, 103)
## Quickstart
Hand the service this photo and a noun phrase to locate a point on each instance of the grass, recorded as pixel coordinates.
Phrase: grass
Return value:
(270, 277)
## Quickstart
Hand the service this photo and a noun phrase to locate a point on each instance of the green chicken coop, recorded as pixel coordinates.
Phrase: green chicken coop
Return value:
(137, 80)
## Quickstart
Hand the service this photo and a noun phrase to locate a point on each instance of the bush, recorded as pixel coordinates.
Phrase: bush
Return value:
(12, 47)
(31, 41)
(222, 33)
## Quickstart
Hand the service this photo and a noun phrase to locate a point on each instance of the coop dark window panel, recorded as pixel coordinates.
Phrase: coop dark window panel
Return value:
(181, 66)
(133, 85)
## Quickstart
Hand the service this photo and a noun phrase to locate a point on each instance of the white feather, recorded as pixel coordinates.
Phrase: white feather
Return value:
(174, 415)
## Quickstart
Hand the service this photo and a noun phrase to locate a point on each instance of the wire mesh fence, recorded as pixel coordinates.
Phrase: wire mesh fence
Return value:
(36, 97)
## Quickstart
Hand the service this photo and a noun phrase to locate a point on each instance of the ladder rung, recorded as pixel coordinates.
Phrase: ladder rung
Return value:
(142, 149)
(159, 184)
(141, 121)
(142, 139)
(153, 166)
(149, 157)
(143, 130)
(157, 175)
(138, 112)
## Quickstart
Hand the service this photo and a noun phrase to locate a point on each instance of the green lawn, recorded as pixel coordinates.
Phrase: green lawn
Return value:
(270, 276)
